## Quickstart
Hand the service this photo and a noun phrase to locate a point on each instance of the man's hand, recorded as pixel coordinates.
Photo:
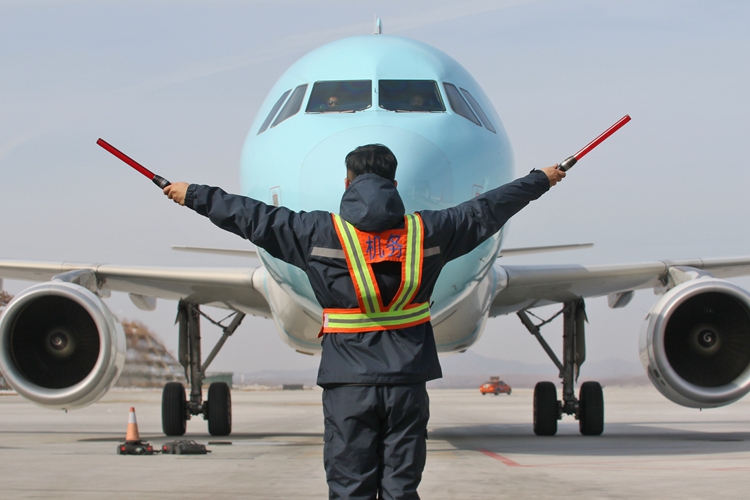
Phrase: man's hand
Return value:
(553, 174)
(177, 190)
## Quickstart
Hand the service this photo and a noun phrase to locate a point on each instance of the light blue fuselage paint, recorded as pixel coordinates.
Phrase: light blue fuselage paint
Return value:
(443, 157)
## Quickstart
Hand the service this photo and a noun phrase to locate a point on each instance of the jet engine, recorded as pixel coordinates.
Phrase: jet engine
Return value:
(695, 343)
(60, 346)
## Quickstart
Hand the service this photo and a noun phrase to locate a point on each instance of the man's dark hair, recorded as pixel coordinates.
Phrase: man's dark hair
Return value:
(372, 159)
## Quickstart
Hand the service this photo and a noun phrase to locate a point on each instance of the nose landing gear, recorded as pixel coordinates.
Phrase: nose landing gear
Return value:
(176, 408)
(588, 408)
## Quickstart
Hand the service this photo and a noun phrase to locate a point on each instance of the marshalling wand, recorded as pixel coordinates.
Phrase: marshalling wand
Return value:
(156, 179)
(567, 163)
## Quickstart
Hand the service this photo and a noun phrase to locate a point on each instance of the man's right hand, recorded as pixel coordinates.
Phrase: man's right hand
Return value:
(553, 174)
(176, 192)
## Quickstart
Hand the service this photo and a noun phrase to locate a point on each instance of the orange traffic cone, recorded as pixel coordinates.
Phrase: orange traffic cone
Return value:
(133, 444)
(132, 434)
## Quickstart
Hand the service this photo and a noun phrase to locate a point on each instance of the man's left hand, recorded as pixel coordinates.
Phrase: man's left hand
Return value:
(553, 174)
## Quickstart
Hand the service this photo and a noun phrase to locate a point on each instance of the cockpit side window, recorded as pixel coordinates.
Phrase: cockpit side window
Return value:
(458, 104)
(410, 95)
(479, 111)
(340, 96)
(292, 105)
(273, 112)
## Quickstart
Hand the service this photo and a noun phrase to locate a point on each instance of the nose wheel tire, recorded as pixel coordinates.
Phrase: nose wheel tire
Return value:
(219, 409)
(545, 409)
(591, 409)
(173, 409)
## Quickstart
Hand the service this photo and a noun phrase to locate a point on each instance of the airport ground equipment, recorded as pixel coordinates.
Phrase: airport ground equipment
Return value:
(184, 447)
(588, 407)
(156, 179)
(217, 409)
(568, 162)
(135, 448)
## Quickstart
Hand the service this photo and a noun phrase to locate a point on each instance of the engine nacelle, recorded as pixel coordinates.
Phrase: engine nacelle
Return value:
(60, 346)
(695, 343)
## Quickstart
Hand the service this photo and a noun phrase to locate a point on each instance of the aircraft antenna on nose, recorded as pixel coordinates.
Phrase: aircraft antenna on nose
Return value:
(378, 26)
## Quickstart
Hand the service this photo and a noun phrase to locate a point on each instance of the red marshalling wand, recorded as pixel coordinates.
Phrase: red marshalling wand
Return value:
(569, 162)
(156, 179)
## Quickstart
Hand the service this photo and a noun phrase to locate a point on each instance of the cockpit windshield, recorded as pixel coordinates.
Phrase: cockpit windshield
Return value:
(410, 95)
(340, 96)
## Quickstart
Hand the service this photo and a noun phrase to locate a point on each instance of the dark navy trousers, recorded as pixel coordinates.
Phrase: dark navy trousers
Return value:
(375, 440)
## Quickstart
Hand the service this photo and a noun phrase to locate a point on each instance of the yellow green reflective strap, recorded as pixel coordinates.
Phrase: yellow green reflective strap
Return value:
(361, 321)
(356, 259)
(412, 264)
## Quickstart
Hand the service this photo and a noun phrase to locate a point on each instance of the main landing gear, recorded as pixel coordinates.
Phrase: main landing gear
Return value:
(176, 409)
(588, 408)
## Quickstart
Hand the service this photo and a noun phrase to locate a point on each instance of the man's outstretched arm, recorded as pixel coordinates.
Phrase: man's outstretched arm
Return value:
(465, 226)
(177, 190)
(278, 230)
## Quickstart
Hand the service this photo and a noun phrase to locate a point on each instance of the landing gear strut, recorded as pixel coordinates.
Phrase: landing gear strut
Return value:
(176, 409)
(588, 408)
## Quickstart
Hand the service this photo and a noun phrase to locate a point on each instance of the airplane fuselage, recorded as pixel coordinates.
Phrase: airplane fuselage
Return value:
(447, 137)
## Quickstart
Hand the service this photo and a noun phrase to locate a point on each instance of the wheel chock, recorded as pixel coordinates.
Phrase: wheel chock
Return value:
(184, 447)
(135, 448)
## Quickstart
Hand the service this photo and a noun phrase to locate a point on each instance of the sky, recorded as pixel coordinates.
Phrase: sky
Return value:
(176, 84)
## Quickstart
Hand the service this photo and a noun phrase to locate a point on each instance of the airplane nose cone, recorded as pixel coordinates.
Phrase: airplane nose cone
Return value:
(425, 179)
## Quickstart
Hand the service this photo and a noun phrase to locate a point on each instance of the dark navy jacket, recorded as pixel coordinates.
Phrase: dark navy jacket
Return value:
(401, 356)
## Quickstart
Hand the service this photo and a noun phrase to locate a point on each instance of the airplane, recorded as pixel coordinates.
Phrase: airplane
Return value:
(62, 348)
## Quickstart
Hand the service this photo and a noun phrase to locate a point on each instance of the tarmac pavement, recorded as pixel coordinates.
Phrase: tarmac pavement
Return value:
(479, 447)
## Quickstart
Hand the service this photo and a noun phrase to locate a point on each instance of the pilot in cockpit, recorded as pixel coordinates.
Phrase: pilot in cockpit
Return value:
(416, 101)
(330, 104)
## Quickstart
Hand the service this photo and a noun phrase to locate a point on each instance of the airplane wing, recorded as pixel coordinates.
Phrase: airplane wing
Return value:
(232, 288)
(525, 287)
(241, 288)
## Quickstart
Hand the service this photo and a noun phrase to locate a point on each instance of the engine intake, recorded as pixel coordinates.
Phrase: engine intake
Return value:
(695, 343)
(60, 346)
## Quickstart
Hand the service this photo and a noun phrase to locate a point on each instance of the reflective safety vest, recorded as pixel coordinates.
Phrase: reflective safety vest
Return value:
(362, 250)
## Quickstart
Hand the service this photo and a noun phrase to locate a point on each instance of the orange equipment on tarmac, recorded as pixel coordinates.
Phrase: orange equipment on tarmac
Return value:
(132, 434)
(495, 386)
(133, 444)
